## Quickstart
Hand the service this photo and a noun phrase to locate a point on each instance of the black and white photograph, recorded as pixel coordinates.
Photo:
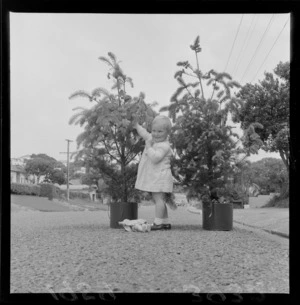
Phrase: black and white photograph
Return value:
(149, 153)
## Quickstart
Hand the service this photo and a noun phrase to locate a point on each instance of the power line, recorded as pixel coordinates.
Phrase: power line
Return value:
(246, 39)
(270, 49)
(234, 42)
(266, 30)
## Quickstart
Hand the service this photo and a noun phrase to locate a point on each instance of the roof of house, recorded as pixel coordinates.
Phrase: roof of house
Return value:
(17, 168)
(26, 156)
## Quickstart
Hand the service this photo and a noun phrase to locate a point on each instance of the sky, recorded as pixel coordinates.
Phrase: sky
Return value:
(52, 55)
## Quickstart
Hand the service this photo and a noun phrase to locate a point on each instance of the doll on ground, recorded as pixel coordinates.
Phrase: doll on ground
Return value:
(154, 172)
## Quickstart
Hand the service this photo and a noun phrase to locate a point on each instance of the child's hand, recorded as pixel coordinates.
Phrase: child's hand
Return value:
(135, 124)
(135, 120)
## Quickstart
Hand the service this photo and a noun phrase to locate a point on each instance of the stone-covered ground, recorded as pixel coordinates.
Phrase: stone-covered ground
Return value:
(77, 251)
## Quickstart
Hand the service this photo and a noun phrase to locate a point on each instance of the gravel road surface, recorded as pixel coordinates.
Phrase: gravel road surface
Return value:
(77, 251)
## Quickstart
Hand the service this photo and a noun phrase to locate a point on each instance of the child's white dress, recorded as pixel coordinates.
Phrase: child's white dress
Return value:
(154, 172)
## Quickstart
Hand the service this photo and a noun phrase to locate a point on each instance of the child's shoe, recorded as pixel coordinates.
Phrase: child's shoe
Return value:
(163, 226)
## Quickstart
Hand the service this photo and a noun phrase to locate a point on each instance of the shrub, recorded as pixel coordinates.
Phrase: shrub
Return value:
(25, 189)
(277, 202)
(113, 117)
(79, 195)
(49, 190)
(281, 200)
(205, 145)
(74, 195)
(236, 192)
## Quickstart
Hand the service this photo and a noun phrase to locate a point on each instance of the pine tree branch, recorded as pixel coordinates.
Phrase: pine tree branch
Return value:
(191, 68)
(106, 60)
(213, 90)
(112, 156)
(189, 92)
(110, 174)
(128, 161)
(118, 88)
(190, 74)
(130, 151)
(202, 92)
(115, 141)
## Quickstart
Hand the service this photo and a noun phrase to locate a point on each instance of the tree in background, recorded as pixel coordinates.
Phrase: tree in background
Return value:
(268, 104)
(108, 129)
(89, 158)
(269, 174)
(100, 166)
(240, 176)
(56, 176)
(206, 147)
(75, 169)
(42, 165)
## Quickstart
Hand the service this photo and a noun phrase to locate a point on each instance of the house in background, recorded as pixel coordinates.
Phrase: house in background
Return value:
(20, 161)
(17, 174)
(17, 171)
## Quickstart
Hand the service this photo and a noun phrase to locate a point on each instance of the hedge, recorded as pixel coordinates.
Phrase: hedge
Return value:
(45, 190)
(75, 195)
(49, 190)
(25, 189)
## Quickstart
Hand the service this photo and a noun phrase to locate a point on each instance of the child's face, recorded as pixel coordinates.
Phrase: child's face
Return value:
(159, 131)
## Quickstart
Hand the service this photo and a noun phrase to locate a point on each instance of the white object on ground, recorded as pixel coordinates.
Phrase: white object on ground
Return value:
(136, 225)
(194, 210)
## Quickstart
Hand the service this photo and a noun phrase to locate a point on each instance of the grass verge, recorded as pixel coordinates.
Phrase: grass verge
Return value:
(277, 202)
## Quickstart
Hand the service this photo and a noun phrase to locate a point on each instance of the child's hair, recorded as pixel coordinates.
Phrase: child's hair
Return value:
(166, 121)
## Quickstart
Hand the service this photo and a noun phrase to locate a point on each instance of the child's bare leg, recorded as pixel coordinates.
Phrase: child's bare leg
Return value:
(170, 201)
(161, 212)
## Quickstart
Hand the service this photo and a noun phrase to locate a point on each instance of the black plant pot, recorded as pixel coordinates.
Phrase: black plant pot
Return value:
(207, 216)
(217, 216)
(122, 210)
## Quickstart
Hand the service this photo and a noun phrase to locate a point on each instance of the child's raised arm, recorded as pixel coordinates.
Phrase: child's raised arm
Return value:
(142, 132)
(156, 155)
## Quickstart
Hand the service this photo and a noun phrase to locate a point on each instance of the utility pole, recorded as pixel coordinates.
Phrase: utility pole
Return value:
(68, 152)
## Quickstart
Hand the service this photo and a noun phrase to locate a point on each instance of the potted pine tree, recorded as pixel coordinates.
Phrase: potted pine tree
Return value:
(109, 139)
(206, 147)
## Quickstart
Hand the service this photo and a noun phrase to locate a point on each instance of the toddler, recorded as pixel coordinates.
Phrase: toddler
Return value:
(154, 172)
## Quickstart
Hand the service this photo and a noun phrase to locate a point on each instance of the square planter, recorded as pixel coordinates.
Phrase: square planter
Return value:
(120, 211)
(217, 216)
